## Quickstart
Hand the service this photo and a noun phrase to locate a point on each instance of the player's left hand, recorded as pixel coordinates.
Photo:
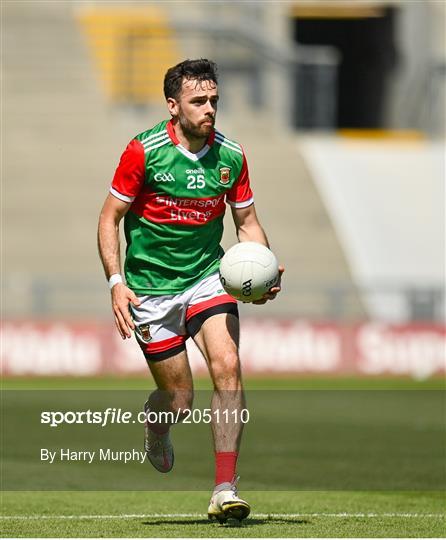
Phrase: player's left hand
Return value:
(272, 293)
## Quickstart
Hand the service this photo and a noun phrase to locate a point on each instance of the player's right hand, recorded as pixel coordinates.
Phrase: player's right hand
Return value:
(121, 297)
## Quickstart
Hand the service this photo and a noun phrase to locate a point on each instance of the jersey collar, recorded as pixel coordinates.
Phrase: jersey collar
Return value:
(187, 153)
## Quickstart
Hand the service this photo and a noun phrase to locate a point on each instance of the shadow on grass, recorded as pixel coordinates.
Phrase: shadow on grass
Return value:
(230, 524)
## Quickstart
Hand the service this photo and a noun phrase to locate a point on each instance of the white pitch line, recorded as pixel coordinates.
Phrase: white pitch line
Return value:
(261, 516)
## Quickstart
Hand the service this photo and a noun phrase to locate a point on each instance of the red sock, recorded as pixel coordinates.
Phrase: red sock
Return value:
(225, 465)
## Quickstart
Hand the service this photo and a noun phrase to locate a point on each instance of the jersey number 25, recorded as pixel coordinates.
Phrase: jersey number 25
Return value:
(196, 182)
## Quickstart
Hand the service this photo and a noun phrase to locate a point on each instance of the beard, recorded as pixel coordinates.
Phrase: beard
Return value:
(194, 131)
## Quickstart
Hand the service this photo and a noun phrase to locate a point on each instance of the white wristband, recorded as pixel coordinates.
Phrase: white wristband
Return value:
(114, 279)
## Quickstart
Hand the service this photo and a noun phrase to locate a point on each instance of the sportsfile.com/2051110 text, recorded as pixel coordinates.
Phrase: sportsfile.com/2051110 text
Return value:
(113, 415)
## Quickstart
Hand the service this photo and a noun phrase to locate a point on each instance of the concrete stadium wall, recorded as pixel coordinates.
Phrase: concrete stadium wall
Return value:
(387, 202)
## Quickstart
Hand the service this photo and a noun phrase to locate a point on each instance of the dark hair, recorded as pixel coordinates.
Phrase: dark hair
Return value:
(200, 70)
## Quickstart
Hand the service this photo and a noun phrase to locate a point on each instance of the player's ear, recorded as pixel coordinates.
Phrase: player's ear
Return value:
(172, 106)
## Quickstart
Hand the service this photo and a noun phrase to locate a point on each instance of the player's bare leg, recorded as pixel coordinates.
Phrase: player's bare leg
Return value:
(174, 394)
(218, 340)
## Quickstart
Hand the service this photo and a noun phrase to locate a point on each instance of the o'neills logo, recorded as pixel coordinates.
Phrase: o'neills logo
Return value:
(225, 174)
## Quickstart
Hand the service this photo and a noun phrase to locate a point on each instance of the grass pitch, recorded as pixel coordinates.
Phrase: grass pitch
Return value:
(285, 513)
(183, 514)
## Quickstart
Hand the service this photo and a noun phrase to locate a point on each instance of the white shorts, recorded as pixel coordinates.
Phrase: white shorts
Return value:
(163, 323)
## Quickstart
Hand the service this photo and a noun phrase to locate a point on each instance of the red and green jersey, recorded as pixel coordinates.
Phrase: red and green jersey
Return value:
(175, 223)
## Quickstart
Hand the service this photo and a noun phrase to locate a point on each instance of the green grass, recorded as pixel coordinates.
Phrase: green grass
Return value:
(259, 382)
(316, 515)
(321, 457)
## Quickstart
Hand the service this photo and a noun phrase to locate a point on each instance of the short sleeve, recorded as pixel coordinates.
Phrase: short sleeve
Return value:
(240, 195)
(130, 173)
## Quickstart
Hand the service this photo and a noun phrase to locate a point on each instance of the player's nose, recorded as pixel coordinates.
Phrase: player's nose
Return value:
(210, 109)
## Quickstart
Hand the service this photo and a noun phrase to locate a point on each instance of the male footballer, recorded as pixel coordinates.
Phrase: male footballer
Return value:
(171, 187)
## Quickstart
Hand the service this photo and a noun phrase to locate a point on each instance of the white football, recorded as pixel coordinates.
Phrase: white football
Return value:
(248, 270)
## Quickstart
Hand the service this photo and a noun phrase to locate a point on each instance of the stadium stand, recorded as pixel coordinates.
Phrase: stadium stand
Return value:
(63, 142)
(71, 103)
(132, 49)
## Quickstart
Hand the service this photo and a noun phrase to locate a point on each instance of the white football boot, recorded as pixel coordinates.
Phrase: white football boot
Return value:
(159, 449)
(226, 504)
